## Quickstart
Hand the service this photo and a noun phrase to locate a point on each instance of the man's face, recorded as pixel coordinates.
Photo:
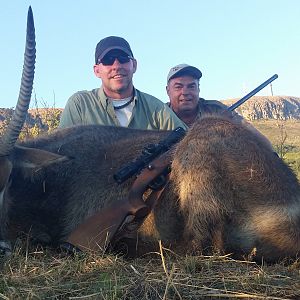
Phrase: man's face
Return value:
(183, 93)
(116, 74)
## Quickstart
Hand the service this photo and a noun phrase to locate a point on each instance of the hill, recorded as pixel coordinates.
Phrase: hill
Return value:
(269, 107)
(256, 108)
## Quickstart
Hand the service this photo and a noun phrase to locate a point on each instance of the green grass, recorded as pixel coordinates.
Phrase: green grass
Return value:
(293, 160)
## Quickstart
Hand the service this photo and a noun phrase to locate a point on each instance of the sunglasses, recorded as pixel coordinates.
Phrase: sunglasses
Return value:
(109, 60)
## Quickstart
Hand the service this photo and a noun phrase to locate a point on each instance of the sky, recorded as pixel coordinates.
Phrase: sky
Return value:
(237, 44)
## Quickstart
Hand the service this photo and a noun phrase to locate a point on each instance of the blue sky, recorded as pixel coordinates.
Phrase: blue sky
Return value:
(236, 44)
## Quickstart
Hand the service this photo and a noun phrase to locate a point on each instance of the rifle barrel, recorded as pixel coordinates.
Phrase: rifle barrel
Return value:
(252, 93)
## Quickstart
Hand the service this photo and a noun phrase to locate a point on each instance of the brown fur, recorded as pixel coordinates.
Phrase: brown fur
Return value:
(228, 191)
(231, 185)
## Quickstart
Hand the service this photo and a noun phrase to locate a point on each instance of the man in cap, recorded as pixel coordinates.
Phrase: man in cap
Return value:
(117, 102)
(183, 91)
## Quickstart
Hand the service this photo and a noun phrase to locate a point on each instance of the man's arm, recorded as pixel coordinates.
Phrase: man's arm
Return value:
(71, 114)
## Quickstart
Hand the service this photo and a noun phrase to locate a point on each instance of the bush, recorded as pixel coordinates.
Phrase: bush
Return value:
(38, 121)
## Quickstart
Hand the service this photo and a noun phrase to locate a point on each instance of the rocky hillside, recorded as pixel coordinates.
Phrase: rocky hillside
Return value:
(256, 108)
(269, 107)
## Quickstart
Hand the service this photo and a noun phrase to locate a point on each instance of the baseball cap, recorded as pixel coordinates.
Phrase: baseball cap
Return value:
(109, 43)
(184, 69)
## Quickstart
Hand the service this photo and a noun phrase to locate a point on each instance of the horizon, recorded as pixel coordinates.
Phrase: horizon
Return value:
(237, 46)
(230, 101)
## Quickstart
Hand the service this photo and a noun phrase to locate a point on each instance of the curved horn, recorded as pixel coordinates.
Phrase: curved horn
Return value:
(14, 128)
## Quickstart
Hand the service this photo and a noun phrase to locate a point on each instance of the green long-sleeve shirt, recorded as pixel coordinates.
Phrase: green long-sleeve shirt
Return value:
(93, 107)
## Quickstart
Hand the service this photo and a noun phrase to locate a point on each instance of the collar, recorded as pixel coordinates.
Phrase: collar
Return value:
(123, 105)
(104, 99)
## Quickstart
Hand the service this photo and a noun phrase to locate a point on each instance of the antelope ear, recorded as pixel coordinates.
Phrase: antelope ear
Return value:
(35, 158)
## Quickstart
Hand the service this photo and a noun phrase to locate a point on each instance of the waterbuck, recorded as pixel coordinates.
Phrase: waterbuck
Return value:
(227, 189)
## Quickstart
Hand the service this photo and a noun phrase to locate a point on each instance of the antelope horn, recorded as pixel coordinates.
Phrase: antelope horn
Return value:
(14, 128)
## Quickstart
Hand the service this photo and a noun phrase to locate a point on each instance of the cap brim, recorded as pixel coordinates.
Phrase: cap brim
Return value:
(113, 48)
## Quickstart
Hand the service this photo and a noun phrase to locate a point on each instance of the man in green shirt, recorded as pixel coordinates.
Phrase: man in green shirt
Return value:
(117, 102)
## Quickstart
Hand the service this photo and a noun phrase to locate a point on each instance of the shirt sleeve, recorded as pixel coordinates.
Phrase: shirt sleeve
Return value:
(168, 120)
(71, 114)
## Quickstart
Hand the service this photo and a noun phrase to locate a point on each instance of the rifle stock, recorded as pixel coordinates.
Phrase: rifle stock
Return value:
(96, 232)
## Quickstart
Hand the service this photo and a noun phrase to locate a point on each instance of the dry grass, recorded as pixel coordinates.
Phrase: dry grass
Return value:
(46, 274)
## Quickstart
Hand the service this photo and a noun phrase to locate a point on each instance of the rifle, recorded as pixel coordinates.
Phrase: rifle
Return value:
(252, 93)
(98, 230)
(152, 151)
(149, 153)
